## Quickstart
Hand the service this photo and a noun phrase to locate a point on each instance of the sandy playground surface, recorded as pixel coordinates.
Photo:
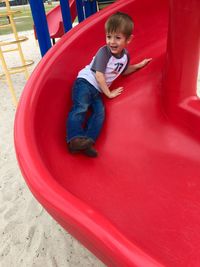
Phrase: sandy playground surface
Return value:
(28, 235)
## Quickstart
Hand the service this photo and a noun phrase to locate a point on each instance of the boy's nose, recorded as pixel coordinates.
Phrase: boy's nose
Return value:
(112, 40)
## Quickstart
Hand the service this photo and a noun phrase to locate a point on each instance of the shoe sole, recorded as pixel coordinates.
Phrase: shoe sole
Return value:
(90, 154)
(83, 147)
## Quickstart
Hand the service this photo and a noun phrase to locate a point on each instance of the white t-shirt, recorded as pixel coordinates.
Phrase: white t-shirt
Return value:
(107, 63)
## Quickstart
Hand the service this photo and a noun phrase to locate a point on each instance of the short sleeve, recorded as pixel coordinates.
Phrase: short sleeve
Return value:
(128, 61)
(101, 60)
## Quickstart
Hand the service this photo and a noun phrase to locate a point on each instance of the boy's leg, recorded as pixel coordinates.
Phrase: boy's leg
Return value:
(94, 125)
(96, 119)
(81, 100)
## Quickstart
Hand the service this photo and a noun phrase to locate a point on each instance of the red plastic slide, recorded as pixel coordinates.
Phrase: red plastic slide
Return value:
(138, 203)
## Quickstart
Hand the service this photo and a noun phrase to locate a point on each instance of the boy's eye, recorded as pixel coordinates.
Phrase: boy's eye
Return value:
(118, 37)
(108, 36)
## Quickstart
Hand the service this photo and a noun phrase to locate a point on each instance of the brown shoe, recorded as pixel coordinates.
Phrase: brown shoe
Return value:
(78, 144)
(90, 152)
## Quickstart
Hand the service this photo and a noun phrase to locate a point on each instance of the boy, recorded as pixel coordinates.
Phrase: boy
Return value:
(110, 61)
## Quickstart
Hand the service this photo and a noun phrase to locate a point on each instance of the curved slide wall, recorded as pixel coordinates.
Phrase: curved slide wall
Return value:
(137, 204)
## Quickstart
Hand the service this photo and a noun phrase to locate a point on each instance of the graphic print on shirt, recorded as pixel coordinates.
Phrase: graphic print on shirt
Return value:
(119, 66)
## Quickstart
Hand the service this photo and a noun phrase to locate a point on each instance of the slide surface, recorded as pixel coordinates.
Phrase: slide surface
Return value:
(138, 203)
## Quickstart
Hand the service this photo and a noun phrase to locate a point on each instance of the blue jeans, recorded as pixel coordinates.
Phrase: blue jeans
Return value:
(84, 97)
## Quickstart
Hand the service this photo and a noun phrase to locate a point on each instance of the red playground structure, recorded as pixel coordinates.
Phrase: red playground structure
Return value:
(138, 203)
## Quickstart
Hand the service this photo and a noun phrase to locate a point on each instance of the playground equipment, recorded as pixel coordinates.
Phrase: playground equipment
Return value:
(59, 19)
(6, 46)
(55, 20)
(137, 204)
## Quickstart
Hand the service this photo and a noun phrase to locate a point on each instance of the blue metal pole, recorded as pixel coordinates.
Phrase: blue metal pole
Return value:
(65, 9)
(94, 6)
(90, 7)
(40, 21)
(80, 12)
(87, 6)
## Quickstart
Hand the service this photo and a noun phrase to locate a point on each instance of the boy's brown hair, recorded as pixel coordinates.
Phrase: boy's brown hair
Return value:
(119, 22)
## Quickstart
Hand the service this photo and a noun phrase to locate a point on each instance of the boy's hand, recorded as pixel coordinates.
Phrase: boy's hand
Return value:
(143, 63)
(115, 92)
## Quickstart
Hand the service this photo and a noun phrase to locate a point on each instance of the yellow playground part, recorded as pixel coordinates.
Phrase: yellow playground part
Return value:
(12, 45)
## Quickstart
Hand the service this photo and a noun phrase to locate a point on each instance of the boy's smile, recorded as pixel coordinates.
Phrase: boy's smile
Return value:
(117, 42)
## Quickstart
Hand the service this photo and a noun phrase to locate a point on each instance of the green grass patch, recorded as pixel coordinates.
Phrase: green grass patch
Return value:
(23, 20)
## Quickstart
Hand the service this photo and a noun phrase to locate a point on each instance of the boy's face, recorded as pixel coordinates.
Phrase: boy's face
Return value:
(117, 42)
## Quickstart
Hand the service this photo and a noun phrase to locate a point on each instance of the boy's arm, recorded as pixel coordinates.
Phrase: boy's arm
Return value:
(102, 83)
(135, 67)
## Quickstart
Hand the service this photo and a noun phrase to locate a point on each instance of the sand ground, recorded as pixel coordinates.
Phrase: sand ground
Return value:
(28, 235)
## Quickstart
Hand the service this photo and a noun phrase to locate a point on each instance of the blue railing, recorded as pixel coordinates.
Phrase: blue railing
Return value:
(85, 8)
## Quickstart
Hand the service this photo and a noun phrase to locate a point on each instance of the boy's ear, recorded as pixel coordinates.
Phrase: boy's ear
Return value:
(130, 38)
